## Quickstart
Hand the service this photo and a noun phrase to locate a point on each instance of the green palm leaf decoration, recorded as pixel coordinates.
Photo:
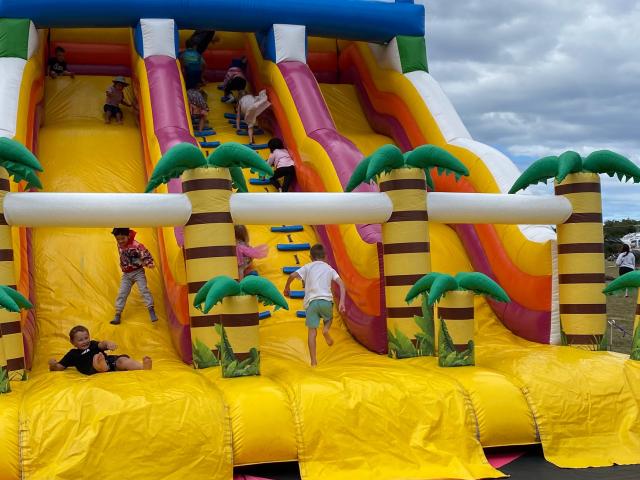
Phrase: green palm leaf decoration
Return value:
(19, 162)
(434, 285)
(232, 154)
(539, 171)
(611, 163)
(628, 280)
(237, 177)
(13, 300)
(568, 162)
(212, 292)
(175, 161)
(389, 157)
(480, 284)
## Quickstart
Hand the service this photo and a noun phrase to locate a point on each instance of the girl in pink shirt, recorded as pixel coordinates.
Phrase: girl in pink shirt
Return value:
(283, 164)
(245, 252)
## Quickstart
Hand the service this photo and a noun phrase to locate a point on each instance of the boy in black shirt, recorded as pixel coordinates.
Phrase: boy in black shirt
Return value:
(89, 356)
(57, 66)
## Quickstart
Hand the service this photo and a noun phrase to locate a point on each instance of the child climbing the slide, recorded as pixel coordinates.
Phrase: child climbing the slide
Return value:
(250, 107)
(57, 65)
(90, 357)
(282, 163)
(318, 297)
(234, 79)
(115, 97)
(198, 107)
(245, 252)
(134, 257)
(193, 65)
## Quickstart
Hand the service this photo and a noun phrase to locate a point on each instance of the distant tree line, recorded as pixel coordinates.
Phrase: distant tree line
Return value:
(614, 230)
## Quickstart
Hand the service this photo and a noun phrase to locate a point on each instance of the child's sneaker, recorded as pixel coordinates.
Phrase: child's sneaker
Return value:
(152, 314)
(116, 319)
(227, 99)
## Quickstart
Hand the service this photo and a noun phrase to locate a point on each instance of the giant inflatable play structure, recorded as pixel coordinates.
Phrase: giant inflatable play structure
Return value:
(445, 265)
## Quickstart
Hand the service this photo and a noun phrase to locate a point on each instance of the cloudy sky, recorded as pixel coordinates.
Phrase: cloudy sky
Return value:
(538, 78)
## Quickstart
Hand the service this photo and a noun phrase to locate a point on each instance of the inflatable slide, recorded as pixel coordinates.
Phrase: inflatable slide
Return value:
(339, 89)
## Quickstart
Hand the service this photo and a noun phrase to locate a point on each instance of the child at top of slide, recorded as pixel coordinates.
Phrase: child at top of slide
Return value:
(134, 257)
(115, 97)
(250, 107)
(234, 79)
(283, 164)
(318, 297)
(57, 65)
(245, 252)
(89, 356)
(193, 65)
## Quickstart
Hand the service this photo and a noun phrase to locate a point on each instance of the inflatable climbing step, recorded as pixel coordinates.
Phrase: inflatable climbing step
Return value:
(293, 247)
(265, 314)
(296, 294)
(289, 270)
(209, 144)
(257, 146)
(259, 181)
(204, 133)
(287, 228)
(301, 314)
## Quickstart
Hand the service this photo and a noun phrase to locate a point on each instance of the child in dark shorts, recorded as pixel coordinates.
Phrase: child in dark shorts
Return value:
(115, 97)
(90, 356)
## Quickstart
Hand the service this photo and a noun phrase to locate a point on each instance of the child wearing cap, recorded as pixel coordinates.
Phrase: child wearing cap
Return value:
(115, 97)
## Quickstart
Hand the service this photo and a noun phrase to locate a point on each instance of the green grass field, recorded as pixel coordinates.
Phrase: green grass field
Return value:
(622, 311)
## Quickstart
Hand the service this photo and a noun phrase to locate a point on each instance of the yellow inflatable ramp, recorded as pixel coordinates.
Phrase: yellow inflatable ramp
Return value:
(167, 423)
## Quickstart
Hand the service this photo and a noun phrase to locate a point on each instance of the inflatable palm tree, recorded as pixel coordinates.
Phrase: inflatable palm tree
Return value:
(454, 296)
(12, 301)
(583, 312)
(16, 162)
(405, 235)
(623, 282)
(210, 244)
(238, 330)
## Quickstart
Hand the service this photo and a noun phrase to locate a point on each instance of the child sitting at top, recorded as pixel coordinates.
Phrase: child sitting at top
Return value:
(245, 252)
(57, 66)
(193, 65)
(198, 107)
(89, 356)
(250, 107)
(282, 163)
(318, 297)
(134, 257)
(115, 97)
(234, 79)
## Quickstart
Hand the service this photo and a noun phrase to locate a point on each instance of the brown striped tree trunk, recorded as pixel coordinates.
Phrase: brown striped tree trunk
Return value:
(210, 245)
(583, 312)
(456, 311)
(9, 321)
(5, 386)
(406, 252)
(240, 322)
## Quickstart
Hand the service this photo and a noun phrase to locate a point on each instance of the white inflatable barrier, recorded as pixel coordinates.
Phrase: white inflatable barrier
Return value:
(157, 210)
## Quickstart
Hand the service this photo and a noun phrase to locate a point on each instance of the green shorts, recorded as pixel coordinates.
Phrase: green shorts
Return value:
(319, 309)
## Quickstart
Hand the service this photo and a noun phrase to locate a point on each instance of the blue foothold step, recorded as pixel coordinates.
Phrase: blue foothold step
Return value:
(259, 181)
(301, 314)
(243, 124)
(204, 133)
(265, 314)
(253, 273)
(209, 144)
(296, 294)
(230, 116)
(288, 228)
(289, 270)
(258, 146)
(245, 132)
(293, 247)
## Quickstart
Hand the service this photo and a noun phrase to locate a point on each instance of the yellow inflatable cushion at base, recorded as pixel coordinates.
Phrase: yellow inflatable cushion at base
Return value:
(9, 456)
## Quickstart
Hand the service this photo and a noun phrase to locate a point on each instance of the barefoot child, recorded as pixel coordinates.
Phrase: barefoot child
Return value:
(318, 298)
(134, 257)
(245, 252)
(115, 97)
(250, 108)
(89, 356)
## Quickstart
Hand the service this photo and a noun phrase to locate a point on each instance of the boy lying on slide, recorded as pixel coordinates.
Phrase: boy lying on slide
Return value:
(89, 356)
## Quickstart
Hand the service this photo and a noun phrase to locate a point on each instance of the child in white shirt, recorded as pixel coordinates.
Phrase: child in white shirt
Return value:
(318, 297)
(626, 263)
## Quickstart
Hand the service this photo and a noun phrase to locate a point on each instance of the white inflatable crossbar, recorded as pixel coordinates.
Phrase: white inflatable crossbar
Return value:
(157, 210)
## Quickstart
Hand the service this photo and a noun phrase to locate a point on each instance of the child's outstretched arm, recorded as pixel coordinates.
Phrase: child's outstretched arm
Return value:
(107, 345)
(341, 306)
(54, 366)
(287, 287)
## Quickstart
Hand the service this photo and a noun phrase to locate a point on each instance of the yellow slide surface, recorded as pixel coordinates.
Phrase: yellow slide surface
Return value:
(166, 423)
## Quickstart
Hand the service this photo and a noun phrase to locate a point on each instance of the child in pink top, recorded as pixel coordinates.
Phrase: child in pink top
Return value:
(283, 164)
(245, 252)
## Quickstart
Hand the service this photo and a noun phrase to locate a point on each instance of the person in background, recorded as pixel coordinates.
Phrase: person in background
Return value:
(283, 164)
(193, 65)
(245, 252)
(626, 262)
(250, 107)
(198, 107)
(235, 79)
(115, 98)
(57, 65)
(201, 39)
(318, 297)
